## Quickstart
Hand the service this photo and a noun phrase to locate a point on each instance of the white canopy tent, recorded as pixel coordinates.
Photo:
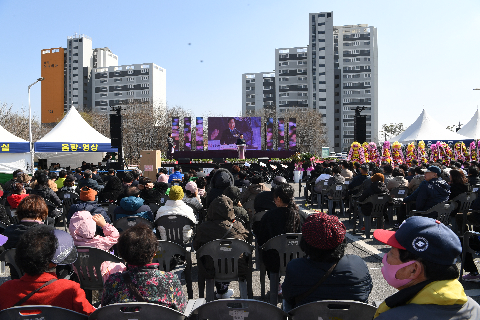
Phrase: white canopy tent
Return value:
(14, 152)
(72, 141)
(472, 128)
(427, 129)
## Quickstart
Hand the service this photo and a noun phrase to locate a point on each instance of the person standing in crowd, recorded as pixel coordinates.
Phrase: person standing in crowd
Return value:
(421, 264)
(323, 241)
(170, 146)
(241, 145)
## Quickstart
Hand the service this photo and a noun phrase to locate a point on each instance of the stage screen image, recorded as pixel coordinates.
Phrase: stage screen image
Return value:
(292, 134)
(270, 134)
(176, 131)
(223, 132)
(187, 133)
(281, 134)
(199, 134)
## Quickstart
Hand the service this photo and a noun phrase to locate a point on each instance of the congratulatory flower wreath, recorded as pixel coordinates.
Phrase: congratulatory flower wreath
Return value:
(356, 153)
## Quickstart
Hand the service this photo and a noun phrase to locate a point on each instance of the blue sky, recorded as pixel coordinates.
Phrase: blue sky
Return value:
(428, 50)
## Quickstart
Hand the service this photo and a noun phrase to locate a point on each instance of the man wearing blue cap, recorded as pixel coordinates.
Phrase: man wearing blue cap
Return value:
(430, 192)
(421, 265)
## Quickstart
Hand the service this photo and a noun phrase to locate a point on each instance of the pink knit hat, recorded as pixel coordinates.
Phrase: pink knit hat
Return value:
(191, 186)
(163, 178)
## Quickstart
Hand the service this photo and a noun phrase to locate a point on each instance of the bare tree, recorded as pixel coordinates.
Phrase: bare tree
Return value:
(391, 130)
(16, 122)
(311, 129)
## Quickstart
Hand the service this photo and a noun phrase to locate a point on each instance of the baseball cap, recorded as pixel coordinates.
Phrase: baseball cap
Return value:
(364, 167)
(323, 231)
(428, 238)
(66, 253)
(434, 169)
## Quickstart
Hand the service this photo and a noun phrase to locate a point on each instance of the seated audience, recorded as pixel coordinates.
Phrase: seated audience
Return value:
(242, 181)
(142, 281)
(421, 264)
(83, 226)
(431, 191)
(112, 191)
(87, 203)
(220, 224)
(264, 200)
(458, 183)
(149, 191)
(398, 179)
(221, 179)
(417, 179)
(323, 241)
(18, 193)
(335, 179)
(87, 181)
(283, 219)
(176, 206)
(192, 199)
(62, 175)
(41, 188)
(132, 205)
(176, 175)
(376, 187)
(240, 213)
(39, 251)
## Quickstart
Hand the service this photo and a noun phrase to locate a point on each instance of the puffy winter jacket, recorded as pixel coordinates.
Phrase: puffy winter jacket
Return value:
(180, 208)
(429, 194)
(220, 224)
(133, 206)
(47, 194)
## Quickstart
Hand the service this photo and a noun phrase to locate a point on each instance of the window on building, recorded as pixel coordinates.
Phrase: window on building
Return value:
(130, 93)
(130, 71)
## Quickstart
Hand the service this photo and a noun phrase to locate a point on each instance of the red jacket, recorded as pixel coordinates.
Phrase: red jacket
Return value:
(61, 293)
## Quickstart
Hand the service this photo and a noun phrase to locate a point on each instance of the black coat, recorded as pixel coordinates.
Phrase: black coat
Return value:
(376, 187)
(350, 280)
(47, 194)
(264, 201)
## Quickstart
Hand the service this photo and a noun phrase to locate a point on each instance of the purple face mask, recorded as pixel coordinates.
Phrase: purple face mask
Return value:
(389, 271)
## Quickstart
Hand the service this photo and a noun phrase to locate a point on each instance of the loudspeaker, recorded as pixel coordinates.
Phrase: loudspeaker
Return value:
(360, 129)
(115, 130)
(42, 164)
(183, 160)
(218, 160)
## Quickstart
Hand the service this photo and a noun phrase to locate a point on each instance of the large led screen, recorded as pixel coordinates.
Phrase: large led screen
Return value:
(223, 132)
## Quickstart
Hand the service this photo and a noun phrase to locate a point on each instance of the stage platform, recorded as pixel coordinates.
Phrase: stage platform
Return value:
(211, 154)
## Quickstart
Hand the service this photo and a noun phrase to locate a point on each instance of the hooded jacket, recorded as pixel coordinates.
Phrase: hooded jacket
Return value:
(438, 300)
(133, 206)
(220, 224)
(429, 194)
(82, 229)
(15, 199)
(219, 182)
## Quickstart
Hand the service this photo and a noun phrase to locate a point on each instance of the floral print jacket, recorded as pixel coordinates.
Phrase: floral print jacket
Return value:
(154, 285)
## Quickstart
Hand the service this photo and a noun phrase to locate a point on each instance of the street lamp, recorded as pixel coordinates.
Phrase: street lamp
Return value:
(30, 124)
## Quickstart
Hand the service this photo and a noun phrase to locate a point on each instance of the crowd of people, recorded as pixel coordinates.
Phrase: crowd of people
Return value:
(221, 205)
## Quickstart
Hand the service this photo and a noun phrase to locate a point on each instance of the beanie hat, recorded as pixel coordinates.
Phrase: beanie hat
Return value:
(163, 178)
(176, 193)
(87, 194)
(323, 231)
(191, 186)
(378, 177)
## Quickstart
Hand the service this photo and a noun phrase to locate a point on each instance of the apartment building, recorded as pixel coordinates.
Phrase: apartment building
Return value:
(128, 84)
(69, 80)
(258, 92)
(291, 72)
(356, 53)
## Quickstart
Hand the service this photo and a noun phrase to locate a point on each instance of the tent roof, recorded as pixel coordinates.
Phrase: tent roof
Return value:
(73, 128)
(472, 128)
(6, 136)
(426, 128)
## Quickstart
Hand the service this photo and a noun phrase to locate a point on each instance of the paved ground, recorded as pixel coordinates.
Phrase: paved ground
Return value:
(368, 249)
